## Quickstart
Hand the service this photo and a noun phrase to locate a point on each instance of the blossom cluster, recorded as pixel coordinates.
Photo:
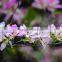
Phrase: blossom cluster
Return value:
(49, 4)
(10, 7)
(11, 31)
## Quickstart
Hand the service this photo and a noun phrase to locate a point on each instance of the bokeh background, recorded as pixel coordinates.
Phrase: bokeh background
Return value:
(31, 13)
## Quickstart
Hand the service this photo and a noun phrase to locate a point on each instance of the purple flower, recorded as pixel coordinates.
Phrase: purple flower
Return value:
(58, 6)
(9, 4)
(3, 46)
(60, 29)
(19, 14)
(52, 28)
(37, 4)
(46, 40)
(8, 30)
(2, 26)
(22, 31)
(53, 2)
(11, 30)
(14, 27)
(42, 4)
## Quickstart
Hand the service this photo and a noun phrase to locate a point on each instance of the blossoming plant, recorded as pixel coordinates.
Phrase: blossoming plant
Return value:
(56, 34)
(8, 7)
(25, 35)
(42, 4)
(12, 31)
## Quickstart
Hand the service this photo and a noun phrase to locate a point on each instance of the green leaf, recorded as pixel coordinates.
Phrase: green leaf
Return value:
(31, 14)
(39, 55)
(58, 12)
(25, 39)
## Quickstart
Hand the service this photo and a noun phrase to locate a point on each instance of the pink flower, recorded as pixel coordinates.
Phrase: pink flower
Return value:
(37, 4)
(9, 4)
(24, 10)
(19, 14)
(8, 31)
(58, 6)
(11, 30)
(50, 4)
(52, 28)
(46, 39)
(22, 31)
(60, 28)
(3, 46)
(14, 27)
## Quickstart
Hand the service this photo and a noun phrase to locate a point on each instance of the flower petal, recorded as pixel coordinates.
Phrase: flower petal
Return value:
(2, 47)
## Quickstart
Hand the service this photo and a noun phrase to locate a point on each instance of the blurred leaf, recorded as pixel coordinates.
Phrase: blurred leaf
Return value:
(10, 51)
(58, 11)
(31, 14)
(55, 59)
(25, 39)
(39, 55)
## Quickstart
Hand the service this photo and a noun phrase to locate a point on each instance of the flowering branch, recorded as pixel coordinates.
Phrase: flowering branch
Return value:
(11, 31)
